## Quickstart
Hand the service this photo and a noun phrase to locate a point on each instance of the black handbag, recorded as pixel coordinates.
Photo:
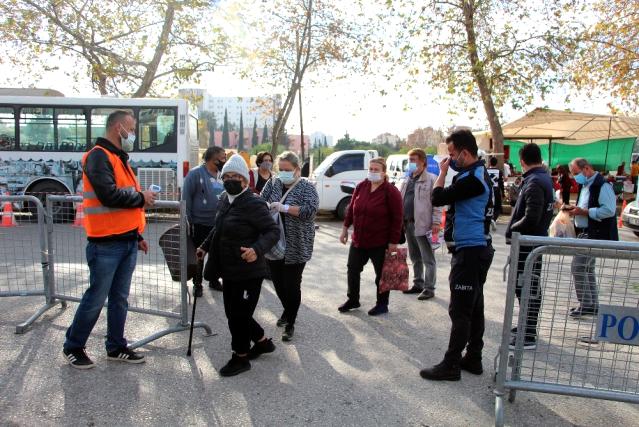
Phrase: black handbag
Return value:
(170, 244)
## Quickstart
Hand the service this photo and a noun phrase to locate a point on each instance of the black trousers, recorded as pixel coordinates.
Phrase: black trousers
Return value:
(469, 268)
(287, 280)
(534, 302)
(198, 234)
(357, 259)
(240, 300)
(498, 203)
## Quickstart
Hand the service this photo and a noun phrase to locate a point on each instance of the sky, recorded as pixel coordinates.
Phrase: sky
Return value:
(354, 104)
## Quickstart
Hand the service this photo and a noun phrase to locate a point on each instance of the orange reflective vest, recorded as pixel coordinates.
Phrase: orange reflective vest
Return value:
(102, 221)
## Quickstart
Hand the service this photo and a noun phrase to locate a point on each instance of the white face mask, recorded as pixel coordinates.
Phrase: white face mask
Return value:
(374, 176)
(127, 143)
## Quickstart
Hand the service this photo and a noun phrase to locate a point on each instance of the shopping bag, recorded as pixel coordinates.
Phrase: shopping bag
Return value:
(394, 272)
(562, 226)
(277, 252)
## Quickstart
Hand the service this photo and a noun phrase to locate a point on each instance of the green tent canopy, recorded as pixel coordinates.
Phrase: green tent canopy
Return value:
(606, 141)
(619, 150)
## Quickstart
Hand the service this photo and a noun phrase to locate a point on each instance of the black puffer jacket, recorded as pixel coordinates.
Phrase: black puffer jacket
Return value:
(534, 209)
(244, 223)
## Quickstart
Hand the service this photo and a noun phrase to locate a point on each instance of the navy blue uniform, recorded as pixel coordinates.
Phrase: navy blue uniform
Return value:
(467, 235)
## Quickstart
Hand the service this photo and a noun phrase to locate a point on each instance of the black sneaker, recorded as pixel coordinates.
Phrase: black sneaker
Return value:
(530, 343)
(260, 348)
(216, 285)
(413, 290)
(235, 366)
(378, 309)
(289, 330)
(426, 295)
(580, 312)
(125, 355)
(198, 291)
(281, 322)
(348, 305)
(441, 372)
(77, 358)
(472, 365)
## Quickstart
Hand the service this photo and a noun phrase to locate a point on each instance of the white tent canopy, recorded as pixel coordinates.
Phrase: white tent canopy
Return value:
(543, 125)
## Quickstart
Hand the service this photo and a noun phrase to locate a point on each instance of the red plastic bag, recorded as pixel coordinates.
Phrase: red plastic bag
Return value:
(395, 272)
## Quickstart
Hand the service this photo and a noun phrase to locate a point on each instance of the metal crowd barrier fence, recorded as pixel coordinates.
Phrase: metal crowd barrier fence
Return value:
(152, 289)
(24, 258)
(591, 354)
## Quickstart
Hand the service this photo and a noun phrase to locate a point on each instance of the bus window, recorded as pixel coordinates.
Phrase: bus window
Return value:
(98, 122)
(36, 129)
(72, 129)
(157, 130)
(7, 129)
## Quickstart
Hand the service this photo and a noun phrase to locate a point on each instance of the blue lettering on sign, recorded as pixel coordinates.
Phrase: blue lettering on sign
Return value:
(618, 325)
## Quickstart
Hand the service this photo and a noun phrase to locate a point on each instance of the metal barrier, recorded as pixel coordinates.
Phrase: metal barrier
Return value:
(42, 254)
(594, 355)
(24, 259)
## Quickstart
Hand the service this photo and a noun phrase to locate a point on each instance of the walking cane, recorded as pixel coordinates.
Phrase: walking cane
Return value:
(188, 352)
(200, 264)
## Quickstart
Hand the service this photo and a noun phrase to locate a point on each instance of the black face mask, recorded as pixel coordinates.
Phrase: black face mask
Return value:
(219, 164)
(233, 187)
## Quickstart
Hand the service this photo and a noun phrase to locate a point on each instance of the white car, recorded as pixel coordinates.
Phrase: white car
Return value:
(630, 217)
(337, 176)
(396, 168)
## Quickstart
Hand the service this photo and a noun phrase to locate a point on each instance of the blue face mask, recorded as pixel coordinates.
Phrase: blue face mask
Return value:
(453, 164)
(287, 177)
(412, 167)
(581, 179)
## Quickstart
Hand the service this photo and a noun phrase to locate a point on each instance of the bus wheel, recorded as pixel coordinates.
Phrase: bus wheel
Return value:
(341, 208)
(62, 211)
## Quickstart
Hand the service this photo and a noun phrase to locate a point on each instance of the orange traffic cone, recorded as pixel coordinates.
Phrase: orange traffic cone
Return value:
(443, 224)
(623, 207)
(8, 219)
(79, 216)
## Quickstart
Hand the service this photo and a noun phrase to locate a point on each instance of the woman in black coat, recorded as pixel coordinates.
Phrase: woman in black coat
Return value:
(244, 231)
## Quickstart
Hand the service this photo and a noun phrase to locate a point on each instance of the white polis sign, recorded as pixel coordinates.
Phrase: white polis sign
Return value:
(618, 325)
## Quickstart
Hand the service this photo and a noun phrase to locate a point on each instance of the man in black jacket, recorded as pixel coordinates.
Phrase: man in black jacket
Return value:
(531, 216)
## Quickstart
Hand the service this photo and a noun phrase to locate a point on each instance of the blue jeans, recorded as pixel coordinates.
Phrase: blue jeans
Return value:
(111, 266)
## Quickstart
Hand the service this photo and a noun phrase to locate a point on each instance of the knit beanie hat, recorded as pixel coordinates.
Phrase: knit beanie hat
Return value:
(236, 164)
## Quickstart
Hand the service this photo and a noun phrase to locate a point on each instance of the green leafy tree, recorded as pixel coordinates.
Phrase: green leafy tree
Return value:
(284, 141)
(608, 52)
(124, 47)
(254, 138)
(265, 134)
(240, 139)
(225, 131)
(210, 123)
(469, 50)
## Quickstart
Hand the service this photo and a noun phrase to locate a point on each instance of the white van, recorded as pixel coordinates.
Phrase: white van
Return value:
(340, 169)
(396, 167)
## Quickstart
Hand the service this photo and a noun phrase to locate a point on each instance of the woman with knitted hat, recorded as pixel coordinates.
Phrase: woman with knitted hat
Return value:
(244, 231)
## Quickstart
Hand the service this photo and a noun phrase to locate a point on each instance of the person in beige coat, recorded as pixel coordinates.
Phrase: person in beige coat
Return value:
(421, 224)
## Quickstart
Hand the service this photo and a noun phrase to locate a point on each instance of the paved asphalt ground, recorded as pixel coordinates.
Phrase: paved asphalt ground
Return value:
(341, 369)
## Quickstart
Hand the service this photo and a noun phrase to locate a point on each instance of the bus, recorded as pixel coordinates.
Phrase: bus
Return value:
(43, 139)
